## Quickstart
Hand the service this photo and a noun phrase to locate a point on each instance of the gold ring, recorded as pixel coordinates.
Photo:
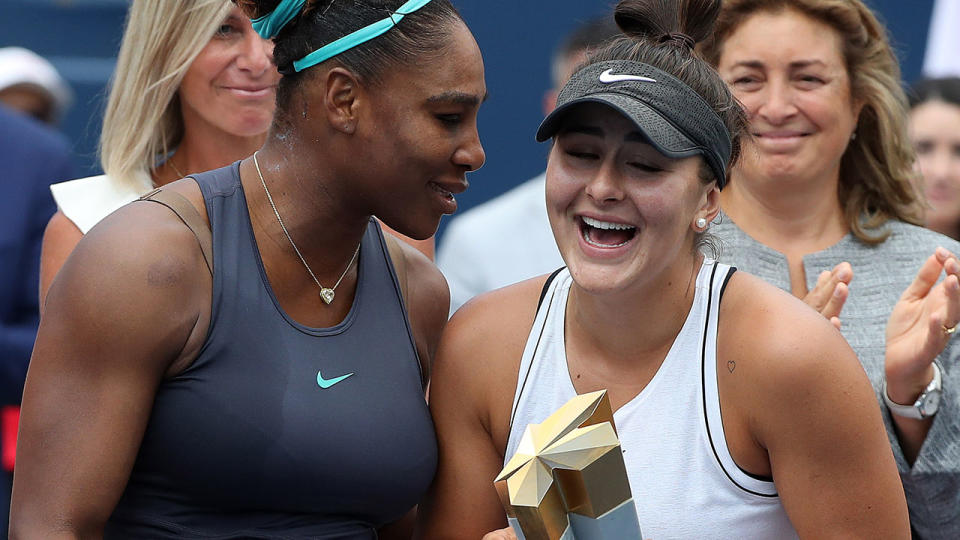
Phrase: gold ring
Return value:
(949, 331)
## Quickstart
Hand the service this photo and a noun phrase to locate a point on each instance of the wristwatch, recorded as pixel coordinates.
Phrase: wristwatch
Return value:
(925, 406)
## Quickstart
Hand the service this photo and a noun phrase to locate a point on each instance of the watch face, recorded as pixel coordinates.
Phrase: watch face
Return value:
(931, 402)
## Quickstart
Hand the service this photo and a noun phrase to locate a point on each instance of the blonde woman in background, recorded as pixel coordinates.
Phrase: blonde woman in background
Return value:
(194, 89)
(823, 206)
(935, 132)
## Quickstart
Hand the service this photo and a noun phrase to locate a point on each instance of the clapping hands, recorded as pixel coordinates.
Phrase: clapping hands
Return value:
(921, 325)
(831, 292)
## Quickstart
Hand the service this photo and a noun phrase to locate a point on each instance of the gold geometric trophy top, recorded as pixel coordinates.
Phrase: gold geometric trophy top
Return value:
(571, 462)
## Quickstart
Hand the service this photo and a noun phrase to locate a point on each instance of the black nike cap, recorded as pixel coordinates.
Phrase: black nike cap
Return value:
(673, 117)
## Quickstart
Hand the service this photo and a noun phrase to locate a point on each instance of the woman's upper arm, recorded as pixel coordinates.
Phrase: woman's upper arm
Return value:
(59, 239)
(462, 502)
(471, 394)
(819, 421)
(117, 317)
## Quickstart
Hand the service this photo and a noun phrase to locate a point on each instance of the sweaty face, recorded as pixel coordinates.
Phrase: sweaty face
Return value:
(935, 132)
(231, 86)
(789, 72)
(621, 212)
(421, 137)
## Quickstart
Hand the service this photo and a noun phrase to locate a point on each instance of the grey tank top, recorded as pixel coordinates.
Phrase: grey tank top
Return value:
(245, 443)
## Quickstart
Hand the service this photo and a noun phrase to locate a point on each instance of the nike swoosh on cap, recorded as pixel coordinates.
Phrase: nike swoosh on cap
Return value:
(608, 77)
(327, 383)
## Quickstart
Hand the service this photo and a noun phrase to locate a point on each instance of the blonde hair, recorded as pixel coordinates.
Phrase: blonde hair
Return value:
(142, 122)
(876, 171)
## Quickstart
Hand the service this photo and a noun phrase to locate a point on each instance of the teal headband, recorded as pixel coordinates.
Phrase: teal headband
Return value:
(358, 37)
(270, 24)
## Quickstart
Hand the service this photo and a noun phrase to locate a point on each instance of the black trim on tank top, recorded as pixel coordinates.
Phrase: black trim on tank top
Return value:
(546, 285)
(726, 280)
(703, 385)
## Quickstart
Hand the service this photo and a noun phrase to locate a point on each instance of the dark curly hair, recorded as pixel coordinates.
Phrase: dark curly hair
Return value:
(320, 22)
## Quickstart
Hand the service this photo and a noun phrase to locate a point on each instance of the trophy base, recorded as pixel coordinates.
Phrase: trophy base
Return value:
(617, 524)
(620, 524)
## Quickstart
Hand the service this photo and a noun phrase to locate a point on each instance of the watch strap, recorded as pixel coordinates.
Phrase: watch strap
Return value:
(914, 411)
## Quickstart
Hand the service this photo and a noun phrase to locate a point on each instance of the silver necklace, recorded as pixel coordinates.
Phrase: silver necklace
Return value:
(326, 294)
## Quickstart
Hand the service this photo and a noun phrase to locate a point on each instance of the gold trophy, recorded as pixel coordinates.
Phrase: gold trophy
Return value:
(567, 480)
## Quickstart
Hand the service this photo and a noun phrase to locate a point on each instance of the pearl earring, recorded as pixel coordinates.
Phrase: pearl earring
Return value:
(701, 223)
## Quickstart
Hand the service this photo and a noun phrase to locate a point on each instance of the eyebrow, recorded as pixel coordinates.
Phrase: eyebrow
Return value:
(459, 98)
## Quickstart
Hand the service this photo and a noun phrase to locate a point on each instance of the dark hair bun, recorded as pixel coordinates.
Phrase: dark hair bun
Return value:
(667, 21)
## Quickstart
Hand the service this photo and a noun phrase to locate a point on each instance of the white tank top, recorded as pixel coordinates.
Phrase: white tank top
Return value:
(684, 482)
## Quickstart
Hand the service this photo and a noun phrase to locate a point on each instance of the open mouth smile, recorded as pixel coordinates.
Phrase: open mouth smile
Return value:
(606, 234)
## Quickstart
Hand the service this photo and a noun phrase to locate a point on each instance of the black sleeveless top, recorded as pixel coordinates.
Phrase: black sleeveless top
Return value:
(247, 442)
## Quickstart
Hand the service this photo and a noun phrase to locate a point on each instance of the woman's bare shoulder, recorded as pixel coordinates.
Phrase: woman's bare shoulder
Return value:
(759, 320)
(139, 270)
(478, 360)
(782, 349)
(499, 318)
(61, 235)
(482, 344)
(793, 390)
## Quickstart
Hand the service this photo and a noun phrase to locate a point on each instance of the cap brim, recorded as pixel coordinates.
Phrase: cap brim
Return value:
(667, 139)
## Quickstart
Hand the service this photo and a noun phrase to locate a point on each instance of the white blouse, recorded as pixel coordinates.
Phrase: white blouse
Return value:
(86, 201)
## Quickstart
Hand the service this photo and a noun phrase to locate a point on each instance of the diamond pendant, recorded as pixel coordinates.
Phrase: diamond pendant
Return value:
(326, 295)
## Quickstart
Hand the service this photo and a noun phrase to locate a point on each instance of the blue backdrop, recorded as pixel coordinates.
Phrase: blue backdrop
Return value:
(516, 36)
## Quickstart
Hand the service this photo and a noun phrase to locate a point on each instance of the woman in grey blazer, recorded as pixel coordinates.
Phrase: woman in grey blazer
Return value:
(822, 205)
